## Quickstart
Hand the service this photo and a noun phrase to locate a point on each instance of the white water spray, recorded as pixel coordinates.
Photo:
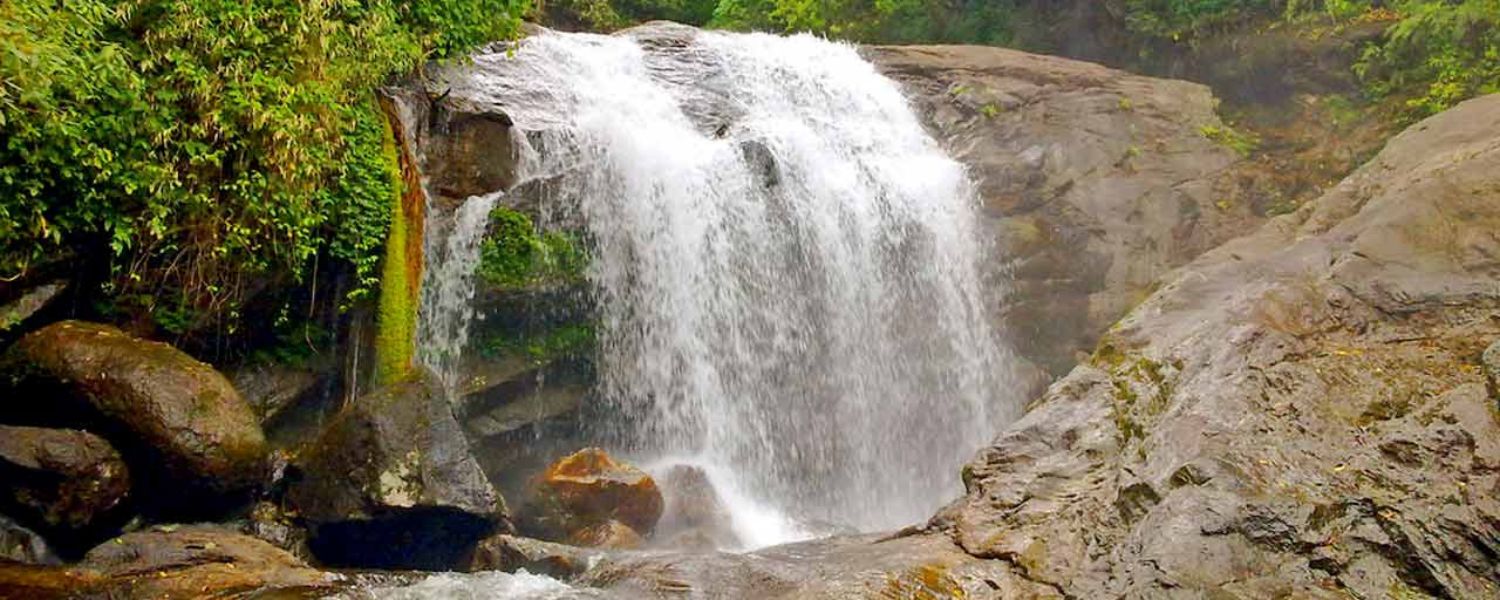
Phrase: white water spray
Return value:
(787, 266)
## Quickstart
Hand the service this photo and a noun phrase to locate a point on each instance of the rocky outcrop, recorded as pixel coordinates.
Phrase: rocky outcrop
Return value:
(391, 484)
(192, 443)
(1096, 182)
(168, 562)
(61, 481)
(589, 489)
(1302, 412)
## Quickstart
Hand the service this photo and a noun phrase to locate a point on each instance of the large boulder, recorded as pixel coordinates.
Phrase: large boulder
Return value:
(171, 562)
(1095, 182)
(589, 488)
(1302, 412)
(192, 443)
(61, 481)
(391, 484)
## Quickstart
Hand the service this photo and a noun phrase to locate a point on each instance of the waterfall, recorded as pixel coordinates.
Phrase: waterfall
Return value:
(451, 254)
(787, 267)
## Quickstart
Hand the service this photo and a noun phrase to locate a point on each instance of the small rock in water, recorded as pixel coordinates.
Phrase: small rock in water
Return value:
(609, 534)
(512, 553)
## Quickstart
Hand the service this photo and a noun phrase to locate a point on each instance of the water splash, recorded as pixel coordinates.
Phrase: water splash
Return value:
(787, 267)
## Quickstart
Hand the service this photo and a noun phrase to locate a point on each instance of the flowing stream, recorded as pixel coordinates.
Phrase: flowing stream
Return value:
(787, 267)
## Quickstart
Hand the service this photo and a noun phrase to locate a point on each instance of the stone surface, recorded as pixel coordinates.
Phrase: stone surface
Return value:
(174, 562)
(63, 482)
(16, 311)
(1095, 182)
(1302, 412)
(293, 401)
(192, 443)
(610, 534)
(276, 526)
(921, 566)
(589, 488)
(391, 484)
(24, 546)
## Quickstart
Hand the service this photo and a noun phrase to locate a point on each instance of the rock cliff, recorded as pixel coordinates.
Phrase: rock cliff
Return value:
(1301, 412)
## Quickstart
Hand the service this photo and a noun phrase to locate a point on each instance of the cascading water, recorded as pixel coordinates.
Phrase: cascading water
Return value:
(451, 255)
(786, 266)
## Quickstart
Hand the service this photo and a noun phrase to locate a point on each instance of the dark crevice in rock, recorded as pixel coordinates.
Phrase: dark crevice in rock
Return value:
(433, 539)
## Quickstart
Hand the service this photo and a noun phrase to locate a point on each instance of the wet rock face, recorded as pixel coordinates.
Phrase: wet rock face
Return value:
(589, 489)
(391, 484)
(193, 445)
(1095, 182)
(1303, 412)
(61, 481)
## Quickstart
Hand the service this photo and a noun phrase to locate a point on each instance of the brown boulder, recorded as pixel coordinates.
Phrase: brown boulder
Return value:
(589, 488)
(61, 481)
(191, 441)
(169, 562)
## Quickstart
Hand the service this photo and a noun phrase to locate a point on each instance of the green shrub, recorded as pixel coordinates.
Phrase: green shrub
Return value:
(564, 341)
(515, 255)
(201, 146)
(1438, 54)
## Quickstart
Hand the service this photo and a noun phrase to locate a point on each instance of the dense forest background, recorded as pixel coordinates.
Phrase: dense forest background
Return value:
(196, 166)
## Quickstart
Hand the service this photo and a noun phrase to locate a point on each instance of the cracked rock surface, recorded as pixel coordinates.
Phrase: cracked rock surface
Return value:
(1306, 411)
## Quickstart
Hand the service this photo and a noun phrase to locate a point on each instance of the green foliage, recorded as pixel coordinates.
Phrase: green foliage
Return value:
(359, 200)
(1180, 19)
(201, 144)
(515, 255)
(396, 310)
(571, 340)
(971, 21)
(1438, 54)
